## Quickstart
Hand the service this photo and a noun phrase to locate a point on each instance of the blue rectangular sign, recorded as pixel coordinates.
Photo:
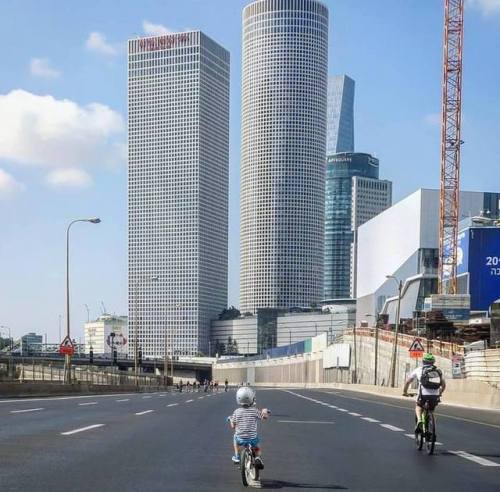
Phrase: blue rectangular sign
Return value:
(484, 266)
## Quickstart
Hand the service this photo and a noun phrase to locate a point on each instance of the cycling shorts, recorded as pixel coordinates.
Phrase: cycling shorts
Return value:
(243, 442)
(431, 400)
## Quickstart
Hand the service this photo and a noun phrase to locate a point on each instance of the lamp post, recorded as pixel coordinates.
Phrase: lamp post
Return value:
(67, 357)
(375, 370)
(138, 282)
(396, 330)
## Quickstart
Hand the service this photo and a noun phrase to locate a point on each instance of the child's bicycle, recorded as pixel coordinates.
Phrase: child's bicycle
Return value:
(250, 473)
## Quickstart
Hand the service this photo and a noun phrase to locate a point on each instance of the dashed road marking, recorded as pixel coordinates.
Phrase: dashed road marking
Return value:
(392, 427)
(304, 422)
(82, 429)
(145, 397)
(144, 412)
(342, 410)
(201, 397)
(333, 406)
(86, 404)
(369, 419)
(124, 399)
(27, 410)
(189, 401)
(475, 459)
(172, 405)
(354, 414)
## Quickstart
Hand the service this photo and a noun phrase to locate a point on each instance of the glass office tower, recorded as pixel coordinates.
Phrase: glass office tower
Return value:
(354, 194)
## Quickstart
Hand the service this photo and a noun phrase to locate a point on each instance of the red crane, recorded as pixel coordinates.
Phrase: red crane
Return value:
(450, 145)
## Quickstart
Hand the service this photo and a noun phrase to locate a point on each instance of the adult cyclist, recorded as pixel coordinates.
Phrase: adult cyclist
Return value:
(431, 385)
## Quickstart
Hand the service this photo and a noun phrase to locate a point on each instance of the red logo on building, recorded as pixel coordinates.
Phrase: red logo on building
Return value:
(163, 42)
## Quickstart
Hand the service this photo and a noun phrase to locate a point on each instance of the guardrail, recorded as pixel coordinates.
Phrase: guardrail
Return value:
(49, 373)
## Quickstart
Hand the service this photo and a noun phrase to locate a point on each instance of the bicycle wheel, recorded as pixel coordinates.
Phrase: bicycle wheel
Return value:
(430, 435)
(245, 462)
(419, 437)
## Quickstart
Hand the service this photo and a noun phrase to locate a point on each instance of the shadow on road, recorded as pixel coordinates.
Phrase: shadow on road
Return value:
(279, 484)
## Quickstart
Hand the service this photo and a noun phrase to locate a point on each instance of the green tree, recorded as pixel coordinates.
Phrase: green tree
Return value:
(229, 313)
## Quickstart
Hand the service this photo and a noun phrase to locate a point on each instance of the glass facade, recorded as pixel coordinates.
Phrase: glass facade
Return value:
(340, 115)
(339, 231)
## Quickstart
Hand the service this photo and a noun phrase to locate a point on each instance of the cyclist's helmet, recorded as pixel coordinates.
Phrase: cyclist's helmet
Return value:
(428, 359)
(245, 396)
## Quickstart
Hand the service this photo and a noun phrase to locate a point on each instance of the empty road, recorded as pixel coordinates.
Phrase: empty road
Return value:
(315, 440)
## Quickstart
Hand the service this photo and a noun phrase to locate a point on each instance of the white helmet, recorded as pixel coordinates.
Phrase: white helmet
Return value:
(245, 396)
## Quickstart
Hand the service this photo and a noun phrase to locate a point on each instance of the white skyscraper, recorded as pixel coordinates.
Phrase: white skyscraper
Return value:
(178, 99)
(285, 60)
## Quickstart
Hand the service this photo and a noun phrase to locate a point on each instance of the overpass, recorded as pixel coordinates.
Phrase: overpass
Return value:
(201, 367)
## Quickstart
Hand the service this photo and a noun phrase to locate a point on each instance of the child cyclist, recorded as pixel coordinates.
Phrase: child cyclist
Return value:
(244, 422)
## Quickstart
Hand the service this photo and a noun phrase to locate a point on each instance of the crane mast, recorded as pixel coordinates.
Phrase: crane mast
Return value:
(450, 145)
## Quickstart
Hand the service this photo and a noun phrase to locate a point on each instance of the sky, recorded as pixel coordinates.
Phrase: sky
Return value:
(63, 115)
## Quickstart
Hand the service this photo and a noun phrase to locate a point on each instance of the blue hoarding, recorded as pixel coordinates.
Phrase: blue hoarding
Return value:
(481, 258)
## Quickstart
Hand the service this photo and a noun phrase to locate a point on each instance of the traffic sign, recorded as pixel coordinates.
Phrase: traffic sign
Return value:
(416, 349)
(67, 347)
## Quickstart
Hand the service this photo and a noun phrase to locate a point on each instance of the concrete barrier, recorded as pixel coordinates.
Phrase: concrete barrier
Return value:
(461, 393)
(27, 390)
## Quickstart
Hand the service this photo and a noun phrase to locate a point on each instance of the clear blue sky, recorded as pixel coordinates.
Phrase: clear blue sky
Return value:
(62, 156)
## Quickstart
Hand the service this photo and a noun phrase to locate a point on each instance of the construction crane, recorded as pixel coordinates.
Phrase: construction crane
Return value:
(450, 145)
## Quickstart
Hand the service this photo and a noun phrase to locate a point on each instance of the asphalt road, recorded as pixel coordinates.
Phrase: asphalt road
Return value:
(315, 440)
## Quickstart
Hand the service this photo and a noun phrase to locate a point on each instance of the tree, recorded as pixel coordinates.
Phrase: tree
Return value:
(220, 348)
(229, 313)
(232, 346)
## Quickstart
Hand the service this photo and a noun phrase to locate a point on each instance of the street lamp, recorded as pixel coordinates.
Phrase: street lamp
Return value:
(376, 347)
(93, 220)
(396, 330)
(138, 282)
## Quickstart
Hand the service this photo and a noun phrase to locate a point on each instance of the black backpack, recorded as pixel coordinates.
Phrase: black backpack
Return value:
(431, 378)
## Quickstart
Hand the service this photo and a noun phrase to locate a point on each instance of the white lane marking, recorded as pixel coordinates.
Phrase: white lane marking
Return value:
(189, 401)
(476, 459)
(172, 405)
(392, 427)
(145, 397)
(406, 408)
(144, 412)
(89, 403)
(82, 429)
(201, 397)
(67, 398)
(333, 406)
(369, 419)
(342, 410)
(27, 410)
(354, 414)
(412, 436)
(125, 399)
(304, 422)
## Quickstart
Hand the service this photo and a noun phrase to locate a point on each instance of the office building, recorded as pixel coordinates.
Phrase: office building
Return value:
(403, 241)
(178, 99)
(31, 342)
(106, 333)
(354, 194)
(285, 61)
(340, 115)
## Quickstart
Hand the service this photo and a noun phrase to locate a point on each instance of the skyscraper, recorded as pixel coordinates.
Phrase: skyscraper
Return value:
(285, 60)
(178, 98)
(354, 195)
(340, 115)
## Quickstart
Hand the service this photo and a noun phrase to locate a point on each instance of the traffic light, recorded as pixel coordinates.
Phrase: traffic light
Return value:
(91, 356)
(115, 356)
(139, 358)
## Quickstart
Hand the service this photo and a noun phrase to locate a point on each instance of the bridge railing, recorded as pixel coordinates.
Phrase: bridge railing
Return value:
(31, 371)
